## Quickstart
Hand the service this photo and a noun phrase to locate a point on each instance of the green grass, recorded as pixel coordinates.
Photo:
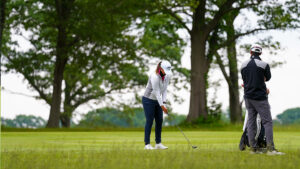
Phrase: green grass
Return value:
(124, 149)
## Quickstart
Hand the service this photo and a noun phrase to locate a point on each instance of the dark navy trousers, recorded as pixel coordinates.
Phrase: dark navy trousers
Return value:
(152, 111)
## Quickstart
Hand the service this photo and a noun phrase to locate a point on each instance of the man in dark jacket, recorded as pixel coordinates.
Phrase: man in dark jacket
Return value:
(254, 73)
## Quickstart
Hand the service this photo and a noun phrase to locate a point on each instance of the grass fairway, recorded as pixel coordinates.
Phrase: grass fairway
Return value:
(84, 150)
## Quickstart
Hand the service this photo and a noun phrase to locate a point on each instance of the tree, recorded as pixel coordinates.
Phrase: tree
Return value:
(82, 49)
(202, 20)
(277, 16)
(289, 116)
(203, 32)
(232, 81)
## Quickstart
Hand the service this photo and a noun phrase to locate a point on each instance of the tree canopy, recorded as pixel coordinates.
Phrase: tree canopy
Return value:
(289, 116)
(80, 51)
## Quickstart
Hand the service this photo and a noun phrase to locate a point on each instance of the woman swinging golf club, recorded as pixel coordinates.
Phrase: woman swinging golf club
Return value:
(154, 101)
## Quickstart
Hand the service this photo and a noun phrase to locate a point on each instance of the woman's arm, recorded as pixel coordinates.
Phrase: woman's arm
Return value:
(156, 92)
(156, 89)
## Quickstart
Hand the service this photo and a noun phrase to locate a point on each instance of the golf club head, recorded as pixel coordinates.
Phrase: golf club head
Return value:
(194, 147)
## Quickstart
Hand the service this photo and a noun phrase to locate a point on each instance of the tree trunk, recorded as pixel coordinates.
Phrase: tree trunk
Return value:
(54, 116)
(234, 96)
(62, 9)
(65, 117)
(234, 105)
(199, 70)
(65, 120)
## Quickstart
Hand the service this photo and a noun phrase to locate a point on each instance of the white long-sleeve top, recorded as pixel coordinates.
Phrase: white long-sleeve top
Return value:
(157, 88)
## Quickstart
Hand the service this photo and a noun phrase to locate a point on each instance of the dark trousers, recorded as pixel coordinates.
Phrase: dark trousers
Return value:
(152, 111)
(261, 107)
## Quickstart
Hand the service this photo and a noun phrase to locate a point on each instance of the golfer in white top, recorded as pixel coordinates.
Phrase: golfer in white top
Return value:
(154, 101)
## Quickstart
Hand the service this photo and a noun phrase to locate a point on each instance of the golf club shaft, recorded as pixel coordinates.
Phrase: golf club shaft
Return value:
(190, 144)
(184, 135)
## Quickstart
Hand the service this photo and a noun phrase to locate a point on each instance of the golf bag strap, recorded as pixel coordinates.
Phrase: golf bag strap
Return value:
(258, 126)
(245, 121)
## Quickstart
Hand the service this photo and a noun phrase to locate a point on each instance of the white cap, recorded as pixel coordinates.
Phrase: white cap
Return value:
(256, 48)
(167, 67)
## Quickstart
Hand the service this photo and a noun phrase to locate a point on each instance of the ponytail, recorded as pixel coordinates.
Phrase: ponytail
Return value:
(158, 67)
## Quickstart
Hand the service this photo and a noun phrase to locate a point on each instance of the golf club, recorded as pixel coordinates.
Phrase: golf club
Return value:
(193, 146)
(189, 142)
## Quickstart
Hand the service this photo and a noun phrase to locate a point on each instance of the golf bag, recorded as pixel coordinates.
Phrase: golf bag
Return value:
(260, 136)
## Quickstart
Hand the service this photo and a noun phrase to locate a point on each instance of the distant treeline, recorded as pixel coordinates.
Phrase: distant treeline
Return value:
(104, 117)
(24, 121)
(132, 117)
(289, 116)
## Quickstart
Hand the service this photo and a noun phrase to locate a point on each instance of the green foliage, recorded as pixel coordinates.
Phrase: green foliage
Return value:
(173, 119)
(128, 117)
(210, 119)
(215, 110)
(290, 116)
(110, 117)
(160, 39)
(93, 37)
(24, 121)
(225, 116)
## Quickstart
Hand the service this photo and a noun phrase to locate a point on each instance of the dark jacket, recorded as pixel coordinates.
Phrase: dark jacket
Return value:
(254, 72)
